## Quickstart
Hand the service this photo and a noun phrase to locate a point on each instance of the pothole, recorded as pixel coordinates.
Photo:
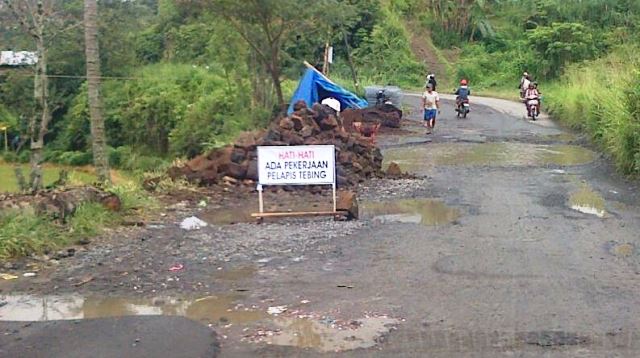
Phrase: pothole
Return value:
(621, 249)
(588, 201)
(429, 212)
(220, 308)
(324, 335)
(418, 158)
(552, 338)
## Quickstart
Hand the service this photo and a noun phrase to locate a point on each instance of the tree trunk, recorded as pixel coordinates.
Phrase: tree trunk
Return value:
(350, 61)
(38, 128)
(274, 71)
(99, 143)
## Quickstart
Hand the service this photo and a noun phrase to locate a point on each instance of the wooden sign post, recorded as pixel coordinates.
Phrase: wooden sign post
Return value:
(296, 165)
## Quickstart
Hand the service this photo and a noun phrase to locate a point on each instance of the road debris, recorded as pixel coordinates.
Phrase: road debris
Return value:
(7, 276)
(276, 310)
(192, 223)
(176, 267)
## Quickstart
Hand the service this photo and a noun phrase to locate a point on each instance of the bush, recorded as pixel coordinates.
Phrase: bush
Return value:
(75, 158)
(118, 156)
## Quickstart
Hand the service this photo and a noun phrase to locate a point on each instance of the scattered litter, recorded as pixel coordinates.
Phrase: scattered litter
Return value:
(84, 280)
(29, 274)
(297, 259)
(6, 276)
(202, 203)
(558, 171)
(613, 191)
(176, 267)
(276, 310)
(192, 223)
(305, 301)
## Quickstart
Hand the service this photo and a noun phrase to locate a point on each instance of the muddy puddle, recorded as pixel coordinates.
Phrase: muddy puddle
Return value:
(273, 203)
(327, 337)
(429, 212)
(297, 330)
(588, 201)
(621, 249)
(227, 216)
(210, 309)
(417, 159)
(235, 274)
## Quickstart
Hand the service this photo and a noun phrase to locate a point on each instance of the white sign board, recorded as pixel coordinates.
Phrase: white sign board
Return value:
(296, 165)
(18, 58)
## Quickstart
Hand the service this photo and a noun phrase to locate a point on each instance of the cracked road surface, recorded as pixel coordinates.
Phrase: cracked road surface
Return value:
(516, 240)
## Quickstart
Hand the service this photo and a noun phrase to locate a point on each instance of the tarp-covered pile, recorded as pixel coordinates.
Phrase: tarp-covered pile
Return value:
(314, 87)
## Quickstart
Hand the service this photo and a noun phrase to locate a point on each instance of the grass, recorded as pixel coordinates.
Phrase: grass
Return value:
(77, 175)
(23, 232)
(601, 99)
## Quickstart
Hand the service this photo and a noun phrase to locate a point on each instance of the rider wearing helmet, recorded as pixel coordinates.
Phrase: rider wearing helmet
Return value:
(462, 93)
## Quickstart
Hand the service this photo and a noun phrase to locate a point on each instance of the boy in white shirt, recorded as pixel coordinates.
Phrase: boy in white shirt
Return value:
(431, 105)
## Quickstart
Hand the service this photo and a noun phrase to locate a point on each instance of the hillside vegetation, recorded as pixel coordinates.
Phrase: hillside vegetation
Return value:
(184, 76)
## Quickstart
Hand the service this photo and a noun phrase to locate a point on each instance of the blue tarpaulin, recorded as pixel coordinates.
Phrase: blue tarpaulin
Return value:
(314, 87)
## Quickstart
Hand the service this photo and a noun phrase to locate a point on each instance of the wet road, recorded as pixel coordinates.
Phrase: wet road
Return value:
(540, 258)
(516, 240)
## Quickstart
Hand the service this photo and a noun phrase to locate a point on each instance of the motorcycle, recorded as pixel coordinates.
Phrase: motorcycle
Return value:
(463, 108)
(533, 107)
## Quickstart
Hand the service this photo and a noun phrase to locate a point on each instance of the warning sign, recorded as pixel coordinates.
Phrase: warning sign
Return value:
(296, 165)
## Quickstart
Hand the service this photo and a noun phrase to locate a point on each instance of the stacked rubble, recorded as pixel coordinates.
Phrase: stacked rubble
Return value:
(386, 114)
(356, 157)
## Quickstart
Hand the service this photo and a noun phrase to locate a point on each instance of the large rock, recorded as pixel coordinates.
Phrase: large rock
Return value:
(328, 123)
(394, 170)
(252, 170)
(347, 201)
(233, 170)
(200, 163)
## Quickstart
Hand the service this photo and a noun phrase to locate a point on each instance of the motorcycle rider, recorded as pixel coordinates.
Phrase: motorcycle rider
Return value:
(462, 93)
(381, 97)
(531, 93)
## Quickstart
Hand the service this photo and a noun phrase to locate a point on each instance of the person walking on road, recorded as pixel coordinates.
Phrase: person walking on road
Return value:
(431, 105)
(524, 83)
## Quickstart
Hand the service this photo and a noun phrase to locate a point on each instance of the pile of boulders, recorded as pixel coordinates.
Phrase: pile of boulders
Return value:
(357, 158)
(387, 115)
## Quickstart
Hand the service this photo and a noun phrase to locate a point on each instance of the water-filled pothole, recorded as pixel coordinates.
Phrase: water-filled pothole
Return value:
(418, 158)
(235, 274)
(313, 331)
(327, 337)
(430, 212)
(588, 201)
(213, 309)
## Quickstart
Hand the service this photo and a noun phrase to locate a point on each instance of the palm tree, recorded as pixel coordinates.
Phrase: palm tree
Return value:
(99, 142)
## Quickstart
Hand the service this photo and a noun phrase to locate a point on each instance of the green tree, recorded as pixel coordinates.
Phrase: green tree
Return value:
(268, 25)
(561, 44)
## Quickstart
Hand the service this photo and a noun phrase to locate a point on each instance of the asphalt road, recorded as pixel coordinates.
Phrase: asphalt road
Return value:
(530, 250)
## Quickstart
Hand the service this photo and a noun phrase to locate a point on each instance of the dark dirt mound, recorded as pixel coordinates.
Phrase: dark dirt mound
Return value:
(357, 158)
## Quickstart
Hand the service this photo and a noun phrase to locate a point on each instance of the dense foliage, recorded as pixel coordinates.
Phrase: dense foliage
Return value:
(182, 76)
